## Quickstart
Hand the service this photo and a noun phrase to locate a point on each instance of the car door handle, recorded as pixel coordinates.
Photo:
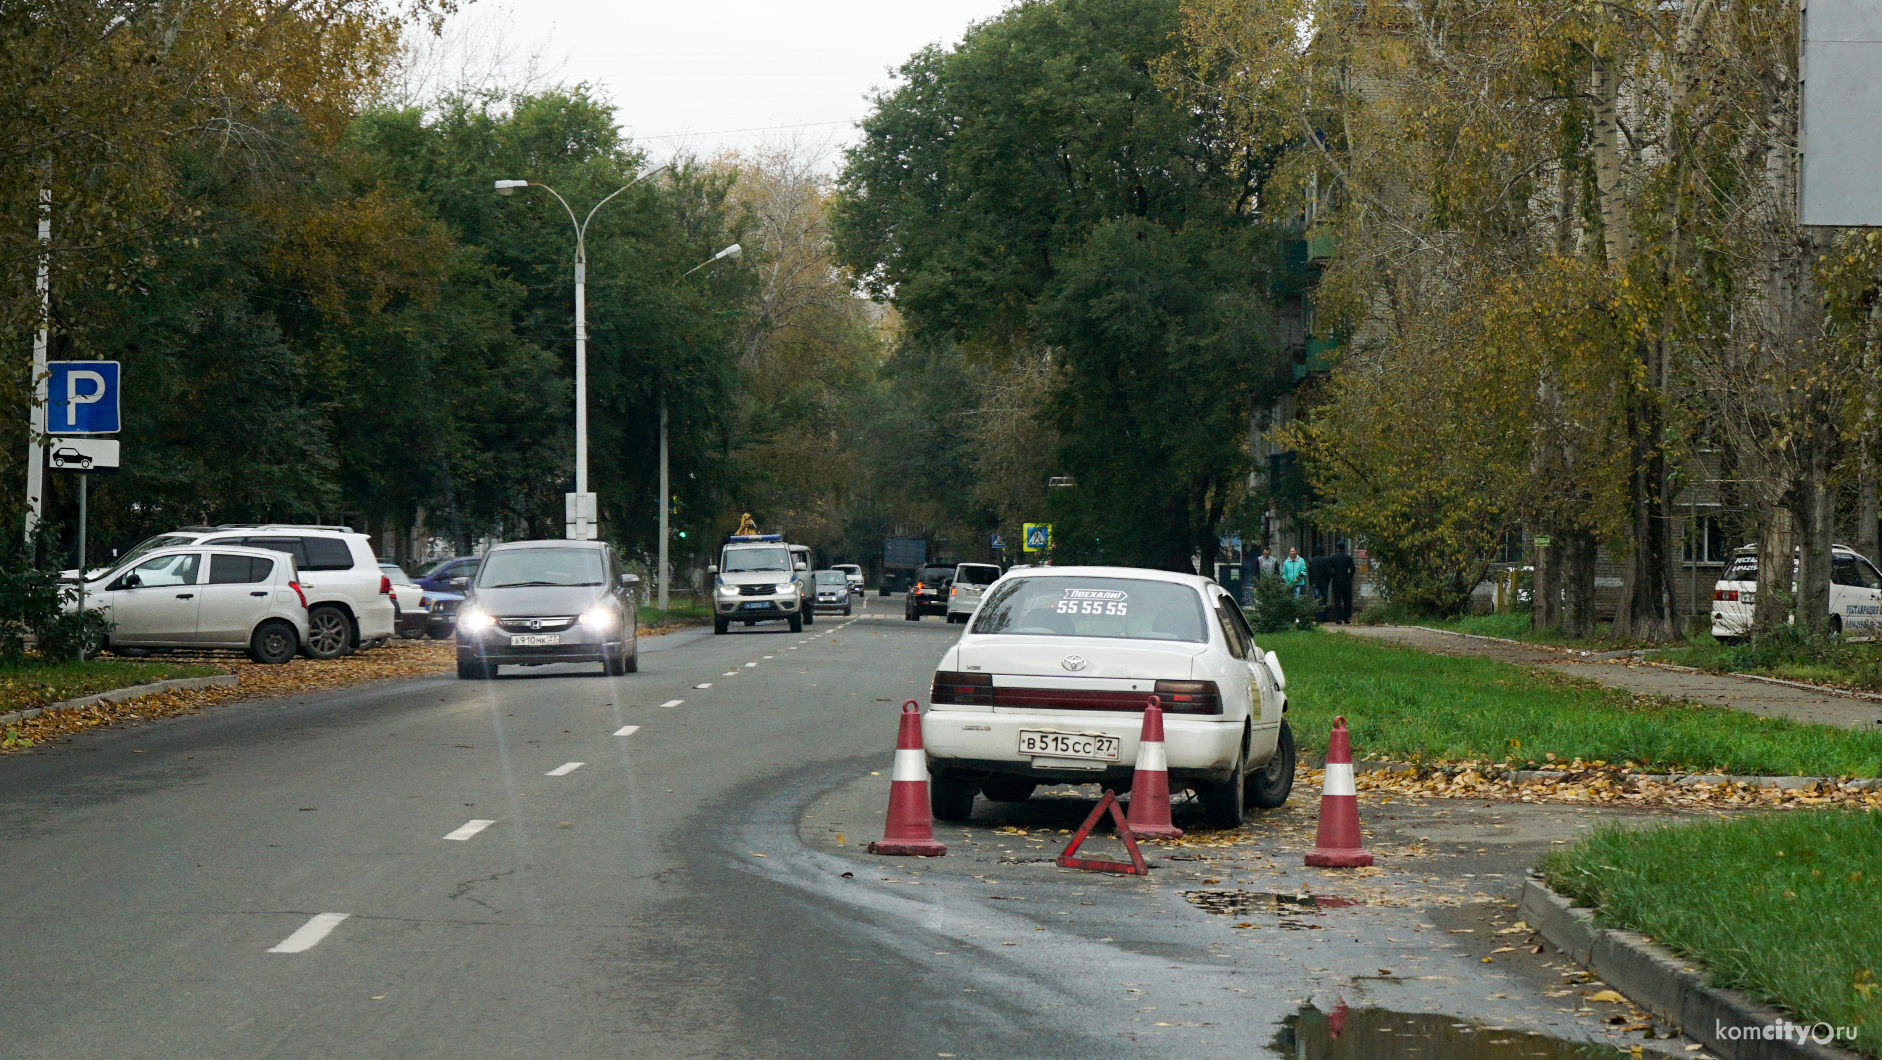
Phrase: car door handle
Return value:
(184, 596)
(258, 594)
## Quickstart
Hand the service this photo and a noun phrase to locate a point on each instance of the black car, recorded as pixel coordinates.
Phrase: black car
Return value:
(929, 594)
(539, 602)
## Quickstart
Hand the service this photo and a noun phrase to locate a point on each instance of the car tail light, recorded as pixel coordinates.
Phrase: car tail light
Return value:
(1189, 697)
(1725, 594)
(385, 585)
(918, 587)
(296, 586)
(953, 687)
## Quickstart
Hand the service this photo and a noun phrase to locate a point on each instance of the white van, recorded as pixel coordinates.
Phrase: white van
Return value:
(1855, 594)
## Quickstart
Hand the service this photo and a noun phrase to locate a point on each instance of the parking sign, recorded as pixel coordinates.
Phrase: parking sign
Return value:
(1038, 537)
(82, 397)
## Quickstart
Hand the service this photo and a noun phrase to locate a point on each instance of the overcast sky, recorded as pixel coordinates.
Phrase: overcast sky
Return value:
(702, 75)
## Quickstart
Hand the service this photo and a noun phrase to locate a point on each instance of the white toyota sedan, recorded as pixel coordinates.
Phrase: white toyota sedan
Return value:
(1048, 686)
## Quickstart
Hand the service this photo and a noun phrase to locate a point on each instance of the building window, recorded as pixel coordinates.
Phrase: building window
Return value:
(1512, 550)
(1705, 540)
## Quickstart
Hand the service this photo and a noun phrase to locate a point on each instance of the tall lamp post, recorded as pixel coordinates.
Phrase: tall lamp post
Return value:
(666, 493)
(580, 505)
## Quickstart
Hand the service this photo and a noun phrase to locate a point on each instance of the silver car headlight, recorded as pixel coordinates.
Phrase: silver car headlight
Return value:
(787, 587)
(727, 590)
(600, 619)
(474, 620)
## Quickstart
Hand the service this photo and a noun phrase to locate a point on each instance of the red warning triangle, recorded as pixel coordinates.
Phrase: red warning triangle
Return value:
(1135, 867)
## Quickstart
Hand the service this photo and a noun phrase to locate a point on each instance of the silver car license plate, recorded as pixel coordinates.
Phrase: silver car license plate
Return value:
(535, 640)
(1045, 743)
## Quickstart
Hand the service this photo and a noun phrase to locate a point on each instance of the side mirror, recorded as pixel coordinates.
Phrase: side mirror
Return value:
(712, 569)
(628, 581)
(1274, 667)
(801, 565)
(460, 584)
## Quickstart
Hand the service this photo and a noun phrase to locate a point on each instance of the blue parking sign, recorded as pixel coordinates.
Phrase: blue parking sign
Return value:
(82, 397)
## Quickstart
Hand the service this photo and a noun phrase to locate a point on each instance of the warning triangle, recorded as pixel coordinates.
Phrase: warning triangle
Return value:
(1135, 867)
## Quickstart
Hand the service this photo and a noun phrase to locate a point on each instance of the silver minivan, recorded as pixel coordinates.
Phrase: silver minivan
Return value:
(248, 599)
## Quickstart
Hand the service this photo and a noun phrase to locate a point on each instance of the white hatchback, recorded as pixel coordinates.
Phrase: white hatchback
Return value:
(970, 584)
(1049, 683)
(227, 597)
(1855, 594)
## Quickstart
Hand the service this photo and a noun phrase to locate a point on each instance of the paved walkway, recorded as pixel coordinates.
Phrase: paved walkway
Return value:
(1756, 697)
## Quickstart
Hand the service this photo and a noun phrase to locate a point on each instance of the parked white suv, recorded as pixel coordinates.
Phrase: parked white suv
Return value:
(349, 600)
(1855, 594)
(195, 597)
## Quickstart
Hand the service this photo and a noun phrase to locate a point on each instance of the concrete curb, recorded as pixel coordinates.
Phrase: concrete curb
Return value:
(1519, 776)
(119, 695)
(1663, 984)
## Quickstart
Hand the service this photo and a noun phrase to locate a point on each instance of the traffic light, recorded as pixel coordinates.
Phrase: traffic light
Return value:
(682, 533)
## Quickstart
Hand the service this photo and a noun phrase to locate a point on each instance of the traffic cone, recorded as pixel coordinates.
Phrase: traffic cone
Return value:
(910, 829)
(1337, 844)
(1150, 783)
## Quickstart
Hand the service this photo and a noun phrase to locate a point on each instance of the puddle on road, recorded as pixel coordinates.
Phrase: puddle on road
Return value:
(1243, 903)
(1379, 1034)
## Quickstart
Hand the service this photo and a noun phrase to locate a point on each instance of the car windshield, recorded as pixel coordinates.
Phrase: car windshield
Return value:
(1074, 606)
(848, 568)
(396, 573)
(153, 544)
(540, 566)
(741, 560)
(977, 574)
(425, 569)
(831, 577)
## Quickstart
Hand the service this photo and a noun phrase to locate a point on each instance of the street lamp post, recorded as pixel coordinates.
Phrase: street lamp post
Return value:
(666, 493)
(581, 503)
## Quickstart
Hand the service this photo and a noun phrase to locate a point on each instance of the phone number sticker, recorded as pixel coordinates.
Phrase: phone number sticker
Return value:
(1094, 602)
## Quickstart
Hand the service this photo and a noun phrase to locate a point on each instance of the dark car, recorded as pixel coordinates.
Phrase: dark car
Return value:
(437, 575)
(441, 608)
(929, 594)
(539, 602)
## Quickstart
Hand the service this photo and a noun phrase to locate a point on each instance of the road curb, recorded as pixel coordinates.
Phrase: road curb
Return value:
(1687, 780)
(119, 695)
(1672, 989)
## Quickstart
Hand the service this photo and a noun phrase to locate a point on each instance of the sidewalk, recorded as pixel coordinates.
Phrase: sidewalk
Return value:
(1756, 697)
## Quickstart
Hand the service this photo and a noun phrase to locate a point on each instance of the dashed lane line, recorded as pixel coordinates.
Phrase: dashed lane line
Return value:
(564, 769)
(629, 730)
(671, 703)
(708, 684)
(469, 828)
(308, 935)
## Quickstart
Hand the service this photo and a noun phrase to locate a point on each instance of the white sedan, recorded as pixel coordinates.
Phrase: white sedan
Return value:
(1049, 683)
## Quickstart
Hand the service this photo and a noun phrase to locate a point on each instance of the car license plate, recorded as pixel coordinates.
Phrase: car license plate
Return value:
(1040, 743)
(757, 605)
(535, 640)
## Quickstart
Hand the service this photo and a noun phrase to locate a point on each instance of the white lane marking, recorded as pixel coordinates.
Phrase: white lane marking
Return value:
(729, 673)
(672, 703)
(749, 665)
(791, 648)
(770, 656)
(708, 684)
(469, 829)
(564, 769)
(308, 935)
(629, 730)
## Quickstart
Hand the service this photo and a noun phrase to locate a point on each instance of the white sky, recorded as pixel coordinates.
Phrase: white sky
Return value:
(710, 74)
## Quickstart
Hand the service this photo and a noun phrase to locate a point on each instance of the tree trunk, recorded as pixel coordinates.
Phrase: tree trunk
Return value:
(1646, 611)
(1544, 600)
(1776, 545)
(1816, 515)
(1864, 540)
(1578, 549)
(1604, 86)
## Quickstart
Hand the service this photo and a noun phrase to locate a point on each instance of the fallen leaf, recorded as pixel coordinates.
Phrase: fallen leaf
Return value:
(1612, 997)
(1504, 949)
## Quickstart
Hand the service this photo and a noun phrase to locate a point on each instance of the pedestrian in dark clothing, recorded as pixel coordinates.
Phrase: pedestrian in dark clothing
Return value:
(1340, 571)
(1317, 578)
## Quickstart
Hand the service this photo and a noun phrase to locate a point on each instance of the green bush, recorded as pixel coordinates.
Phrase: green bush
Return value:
(1276, 609)
(34, 604)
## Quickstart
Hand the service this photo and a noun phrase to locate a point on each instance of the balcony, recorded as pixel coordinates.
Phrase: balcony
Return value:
(1322, 243)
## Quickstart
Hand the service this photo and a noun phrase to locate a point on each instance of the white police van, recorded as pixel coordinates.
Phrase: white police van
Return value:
(1855, 594)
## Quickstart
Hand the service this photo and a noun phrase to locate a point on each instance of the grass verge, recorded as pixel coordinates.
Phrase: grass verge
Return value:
(1410, 705)
(1782, 906)
(1821, 660)
(678, 613)
(25, 687)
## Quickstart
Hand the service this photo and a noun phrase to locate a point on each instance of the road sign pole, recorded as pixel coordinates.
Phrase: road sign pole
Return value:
(36, 461)
(666, 501)
(81, 554)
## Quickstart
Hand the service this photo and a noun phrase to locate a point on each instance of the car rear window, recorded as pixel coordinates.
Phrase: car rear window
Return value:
(1743, 569)
(977, 574)
(242, 570)
(1058, 606)
(937, 574)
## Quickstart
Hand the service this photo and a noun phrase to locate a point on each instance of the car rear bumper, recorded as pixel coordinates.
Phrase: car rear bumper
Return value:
(974, 741)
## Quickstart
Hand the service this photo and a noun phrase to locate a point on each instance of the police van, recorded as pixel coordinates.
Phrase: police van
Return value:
(1855, 594)
(761, 578)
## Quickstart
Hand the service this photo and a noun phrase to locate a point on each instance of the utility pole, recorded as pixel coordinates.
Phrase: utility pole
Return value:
(666, 500)
(36, 456)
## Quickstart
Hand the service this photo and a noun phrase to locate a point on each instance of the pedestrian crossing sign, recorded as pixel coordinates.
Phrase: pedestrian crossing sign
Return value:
(1038, 537)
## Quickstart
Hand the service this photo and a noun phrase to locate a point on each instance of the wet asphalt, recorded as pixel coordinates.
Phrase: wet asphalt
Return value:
(697, 887)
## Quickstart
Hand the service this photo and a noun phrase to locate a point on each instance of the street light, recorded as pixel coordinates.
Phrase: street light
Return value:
(581, 503)
(735, 251)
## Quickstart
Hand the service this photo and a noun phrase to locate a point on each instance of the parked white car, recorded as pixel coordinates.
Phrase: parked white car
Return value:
(349, 599)
(1049, 683)
(970, 583)
(1855, 594)
(248, 599)
(409, 611)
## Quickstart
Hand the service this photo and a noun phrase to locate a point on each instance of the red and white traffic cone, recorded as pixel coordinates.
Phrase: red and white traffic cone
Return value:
(910, 829)
(1337, 844)
(1150, 782)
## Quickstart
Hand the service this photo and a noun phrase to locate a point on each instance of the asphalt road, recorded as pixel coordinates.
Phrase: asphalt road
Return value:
(664, 872)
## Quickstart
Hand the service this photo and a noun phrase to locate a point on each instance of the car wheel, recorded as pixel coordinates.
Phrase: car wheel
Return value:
(632, 666)
(719, 626)
(440, 632)
(810, 616)
(797, 623)
(911, 614)
(273, 643)
(1269, 786)
(950, 797)
(846, 610)
(1836, 625)
(1008, 789)
(474, 670)
(329, 634)
(1222, 803)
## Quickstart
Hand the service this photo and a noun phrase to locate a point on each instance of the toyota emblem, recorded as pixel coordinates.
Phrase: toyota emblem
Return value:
(1073, 662)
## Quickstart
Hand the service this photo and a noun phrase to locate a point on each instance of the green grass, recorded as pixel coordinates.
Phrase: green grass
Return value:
(1404, 704)
(1823, 660)
(1783, 906)
(23, 687)
(681, 612)
(1514, 625)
